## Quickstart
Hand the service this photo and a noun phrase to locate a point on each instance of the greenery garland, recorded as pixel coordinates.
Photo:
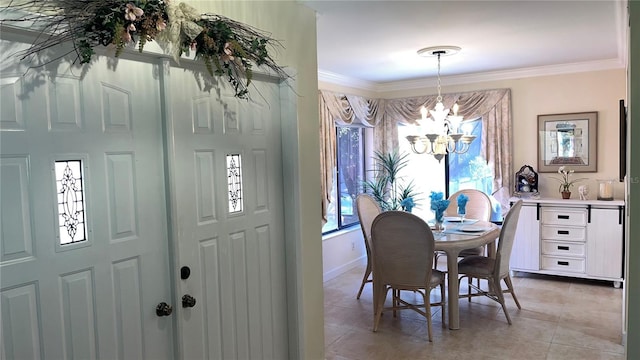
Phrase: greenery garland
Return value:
(226, 47)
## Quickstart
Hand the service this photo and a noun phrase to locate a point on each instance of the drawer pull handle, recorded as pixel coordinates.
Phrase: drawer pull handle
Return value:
(563, 232)
(565, 263)
(563, 247)
(564, 217)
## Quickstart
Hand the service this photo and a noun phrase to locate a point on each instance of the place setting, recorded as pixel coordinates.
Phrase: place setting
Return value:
(460, 224)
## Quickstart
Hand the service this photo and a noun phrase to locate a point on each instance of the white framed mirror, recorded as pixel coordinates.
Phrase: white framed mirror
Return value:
(567, 140)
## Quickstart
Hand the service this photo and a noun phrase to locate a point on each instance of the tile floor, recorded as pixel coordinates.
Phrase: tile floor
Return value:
(561, 318)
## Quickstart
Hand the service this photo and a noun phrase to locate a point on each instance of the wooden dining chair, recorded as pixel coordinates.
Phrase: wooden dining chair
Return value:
(367, 208)
(496, 269)
(402, 245)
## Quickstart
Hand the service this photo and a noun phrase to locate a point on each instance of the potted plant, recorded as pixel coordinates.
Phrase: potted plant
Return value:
(387, 186)
(565, 182)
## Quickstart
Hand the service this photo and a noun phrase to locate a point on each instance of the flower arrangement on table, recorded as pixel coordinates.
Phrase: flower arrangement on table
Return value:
(565, 182)
(226, 47)
(408, 204)
(462, 204)
(438, 204)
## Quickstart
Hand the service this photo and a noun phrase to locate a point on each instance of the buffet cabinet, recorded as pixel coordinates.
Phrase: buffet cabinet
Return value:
(577, 238)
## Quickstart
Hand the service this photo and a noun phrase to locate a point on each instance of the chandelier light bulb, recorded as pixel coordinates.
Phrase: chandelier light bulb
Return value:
(442, 136)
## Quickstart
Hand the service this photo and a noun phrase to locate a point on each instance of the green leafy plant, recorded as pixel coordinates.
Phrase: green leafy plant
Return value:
(387, 186)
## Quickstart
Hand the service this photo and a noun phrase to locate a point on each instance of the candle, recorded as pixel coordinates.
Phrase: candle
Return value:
(423, 113)
(467, 128)
(605, 190)
(455, 123)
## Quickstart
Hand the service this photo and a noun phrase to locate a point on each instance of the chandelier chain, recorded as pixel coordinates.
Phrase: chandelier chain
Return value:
(439, 98)
(443, 136)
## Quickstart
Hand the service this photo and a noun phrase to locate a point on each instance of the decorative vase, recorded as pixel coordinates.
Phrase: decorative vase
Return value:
(605, 189)
(566, 194)
(439, 220)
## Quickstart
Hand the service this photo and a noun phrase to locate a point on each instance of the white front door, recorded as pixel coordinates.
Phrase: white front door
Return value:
(227, 197)
(83, 253)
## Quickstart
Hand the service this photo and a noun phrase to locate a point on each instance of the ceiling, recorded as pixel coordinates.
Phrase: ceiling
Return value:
(373, 43)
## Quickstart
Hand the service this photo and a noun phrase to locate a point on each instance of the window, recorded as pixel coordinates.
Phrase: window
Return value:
(72, 226)
(347, 180)
(427, 173)
(453, 173)
(234, 182)
(470, 170)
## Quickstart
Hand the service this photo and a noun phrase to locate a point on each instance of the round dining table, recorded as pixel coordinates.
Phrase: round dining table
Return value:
(452, 241)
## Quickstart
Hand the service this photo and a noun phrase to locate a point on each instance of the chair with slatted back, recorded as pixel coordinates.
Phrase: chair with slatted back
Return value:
(368, 208)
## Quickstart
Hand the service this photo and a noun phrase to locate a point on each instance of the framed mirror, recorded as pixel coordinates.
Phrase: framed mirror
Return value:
(567, 140)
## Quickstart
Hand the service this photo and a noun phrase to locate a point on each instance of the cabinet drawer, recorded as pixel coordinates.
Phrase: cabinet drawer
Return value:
(563, 248)
(565, 233)
(557, 263)
(571, 217)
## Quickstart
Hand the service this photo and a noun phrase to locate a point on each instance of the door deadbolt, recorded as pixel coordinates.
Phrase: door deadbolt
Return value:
(185, 271)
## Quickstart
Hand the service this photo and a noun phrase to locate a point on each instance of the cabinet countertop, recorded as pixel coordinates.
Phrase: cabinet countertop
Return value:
(570, 202)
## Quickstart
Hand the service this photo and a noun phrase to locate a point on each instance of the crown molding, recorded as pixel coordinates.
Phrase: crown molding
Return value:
(337, 79)
(342, 80)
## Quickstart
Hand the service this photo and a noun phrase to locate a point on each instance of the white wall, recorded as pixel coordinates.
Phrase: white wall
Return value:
(342, 251)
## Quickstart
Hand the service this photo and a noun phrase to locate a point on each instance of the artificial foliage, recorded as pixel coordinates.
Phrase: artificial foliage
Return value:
(226, 47)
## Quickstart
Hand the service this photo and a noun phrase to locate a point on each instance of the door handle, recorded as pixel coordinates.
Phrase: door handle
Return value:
(188, 301)
(164, 309)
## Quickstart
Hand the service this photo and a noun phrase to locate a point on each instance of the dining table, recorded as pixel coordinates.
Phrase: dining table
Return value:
(456, 237)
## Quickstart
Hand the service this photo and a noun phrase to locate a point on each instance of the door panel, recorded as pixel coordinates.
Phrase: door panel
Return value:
(95, 298)
(236, 258)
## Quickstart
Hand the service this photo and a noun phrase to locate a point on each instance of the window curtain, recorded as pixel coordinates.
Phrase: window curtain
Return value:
(493, 106)
(339, 110)
(327, 155)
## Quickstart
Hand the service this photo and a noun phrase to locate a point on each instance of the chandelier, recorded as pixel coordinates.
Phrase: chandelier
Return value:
(442, 134)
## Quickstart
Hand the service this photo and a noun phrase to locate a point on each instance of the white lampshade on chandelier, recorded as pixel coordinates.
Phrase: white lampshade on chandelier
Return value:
(442, 131)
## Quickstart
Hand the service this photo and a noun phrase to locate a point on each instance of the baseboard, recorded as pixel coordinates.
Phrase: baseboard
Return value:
(344, 268)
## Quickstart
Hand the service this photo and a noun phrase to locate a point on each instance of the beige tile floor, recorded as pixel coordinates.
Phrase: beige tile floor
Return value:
(561, 318)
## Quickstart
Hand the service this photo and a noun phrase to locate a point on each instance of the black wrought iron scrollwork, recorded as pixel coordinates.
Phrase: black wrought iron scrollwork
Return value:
(234, 182)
